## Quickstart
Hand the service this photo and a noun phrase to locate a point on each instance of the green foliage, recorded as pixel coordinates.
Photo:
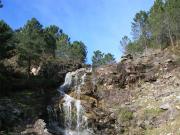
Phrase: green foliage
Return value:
(139, 25)
(140, 29)
(63, 46)
(78, 52)
(157, 25)
(5, 80)
(108, 59)
(51, 35)
(6, 41)
(125, 115)
(157, 28)
(153, 112)
(31, 44)
(1, 5)
(97, 58)
(126, 44)
(75, 52)
(100, 58)
(37, 45)
(134, 48)
(125, 41)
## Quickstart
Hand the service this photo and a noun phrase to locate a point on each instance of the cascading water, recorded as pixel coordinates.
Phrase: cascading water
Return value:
(67, 110)
(79, 107)
(75, 121)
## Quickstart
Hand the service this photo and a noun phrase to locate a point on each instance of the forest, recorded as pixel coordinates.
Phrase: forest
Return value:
(32, 46)
(157, 28)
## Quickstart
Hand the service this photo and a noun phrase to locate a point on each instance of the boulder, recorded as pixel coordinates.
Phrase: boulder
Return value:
(165, 106)
(39, 128)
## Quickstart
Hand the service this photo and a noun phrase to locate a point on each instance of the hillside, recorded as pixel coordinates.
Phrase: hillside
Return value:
(143, 92)
(138, 96)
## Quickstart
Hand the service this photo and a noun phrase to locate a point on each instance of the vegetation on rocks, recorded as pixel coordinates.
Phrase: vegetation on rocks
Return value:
(125, 115)
(32, 49)
(142, 92)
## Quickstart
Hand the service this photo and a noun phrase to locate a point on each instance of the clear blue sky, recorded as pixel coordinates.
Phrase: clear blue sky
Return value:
(100, 24)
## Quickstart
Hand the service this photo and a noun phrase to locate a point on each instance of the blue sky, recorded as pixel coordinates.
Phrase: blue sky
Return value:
(100, 24)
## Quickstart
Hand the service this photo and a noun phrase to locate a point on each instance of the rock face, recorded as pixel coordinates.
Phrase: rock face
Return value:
(143, 93)
(136, 96)
(80, 109)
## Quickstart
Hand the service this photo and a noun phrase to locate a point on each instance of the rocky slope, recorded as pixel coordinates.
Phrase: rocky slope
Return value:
(144, 93)
(138, 96)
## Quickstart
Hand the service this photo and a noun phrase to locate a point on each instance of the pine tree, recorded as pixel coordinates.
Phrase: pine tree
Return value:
(6, 41)
(140, 29)
(78, 52)
(1, 5)
(51, 35)
(100, 58)
(31, 44)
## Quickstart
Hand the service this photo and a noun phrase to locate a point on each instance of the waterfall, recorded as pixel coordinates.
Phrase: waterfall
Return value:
(67, 106)
(75, 121)
(78, 108)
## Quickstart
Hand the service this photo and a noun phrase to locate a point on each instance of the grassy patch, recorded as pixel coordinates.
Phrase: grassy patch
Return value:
(153, 112)
(125, 115)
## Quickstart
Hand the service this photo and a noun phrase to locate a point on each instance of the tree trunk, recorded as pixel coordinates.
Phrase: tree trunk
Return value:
(29, 67)
(177, 42)
(145, 44)
(170, 36)
(54, 54)
(169, 30)
(172, 42)
(177, 35)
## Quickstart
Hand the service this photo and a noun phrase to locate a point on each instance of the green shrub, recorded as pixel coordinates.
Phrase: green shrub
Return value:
(153, 112)
(125, 115)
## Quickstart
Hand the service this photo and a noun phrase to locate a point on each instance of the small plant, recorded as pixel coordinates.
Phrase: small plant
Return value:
(125, 114)
(153, 112)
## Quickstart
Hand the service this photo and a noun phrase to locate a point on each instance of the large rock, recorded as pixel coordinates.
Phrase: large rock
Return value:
(39, 128)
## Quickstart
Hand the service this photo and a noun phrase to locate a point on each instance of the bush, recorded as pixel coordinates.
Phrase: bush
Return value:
(125, 115)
